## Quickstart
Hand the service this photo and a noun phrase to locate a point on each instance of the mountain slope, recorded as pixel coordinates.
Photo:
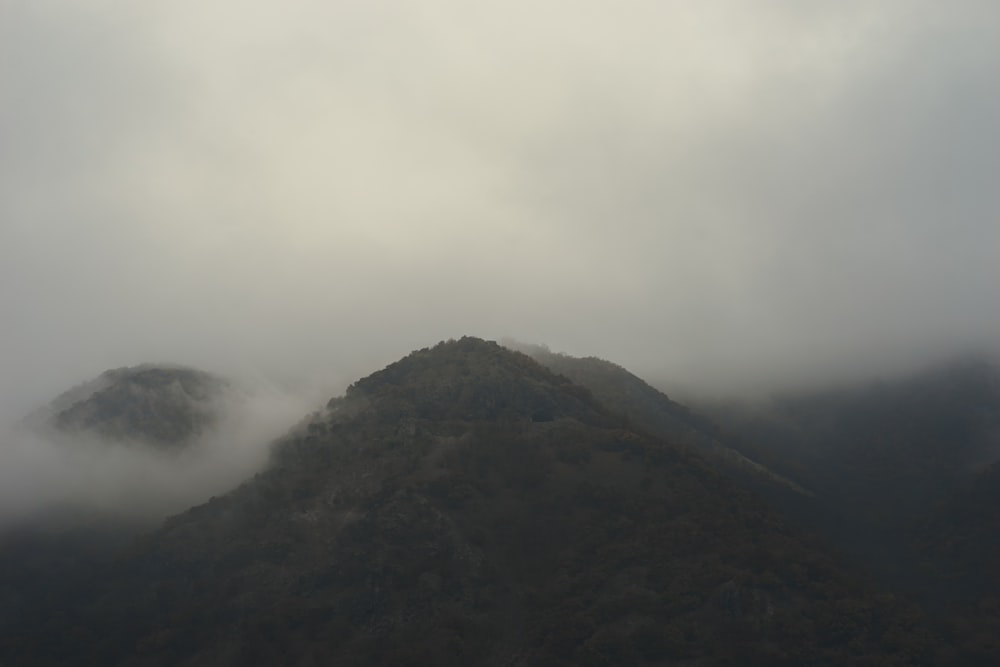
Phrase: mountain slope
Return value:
(908, 475)
(888, 450)
(467, 506)
(651, 410)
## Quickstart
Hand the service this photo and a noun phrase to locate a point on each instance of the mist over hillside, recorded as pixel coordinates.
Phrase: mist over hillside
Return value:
(134, 443)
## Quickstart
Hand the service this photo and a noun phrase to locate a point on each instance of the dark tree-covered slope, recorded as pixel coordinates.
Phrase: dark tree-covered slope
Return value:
(907, 472)
(888, 450)
(467, 506)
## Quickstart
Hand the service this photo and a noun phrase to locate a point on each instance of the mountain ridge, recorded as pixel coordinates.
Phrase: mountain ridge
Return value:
(652, 410)
(468, 506)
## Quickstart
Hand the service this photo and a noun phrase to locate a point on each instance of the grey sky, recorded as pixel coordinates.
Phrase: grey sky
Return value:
(716, 193)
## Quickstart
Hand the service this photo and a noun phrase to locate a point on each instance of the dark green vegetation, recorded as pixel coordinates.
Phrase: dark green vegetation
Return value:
(468, 505)
(904, 473)
(161, 405)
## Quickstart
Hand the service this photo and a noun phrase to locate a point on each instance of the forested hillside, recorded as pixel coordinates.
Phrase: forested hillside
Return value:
(906, 474)
(466, 506)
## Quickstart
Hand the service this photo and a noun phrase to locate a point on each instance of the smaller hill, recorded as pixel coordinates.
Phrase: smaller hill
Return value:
(164, 406)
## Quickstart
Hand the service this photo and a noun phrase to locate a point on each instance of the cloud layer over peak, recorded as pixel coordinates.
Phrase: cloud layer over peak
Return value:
(717, 193)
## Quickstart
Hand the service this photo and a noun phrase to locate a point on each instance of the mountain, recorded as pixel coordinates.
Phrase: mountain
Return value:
(467, 506)
(162, 406)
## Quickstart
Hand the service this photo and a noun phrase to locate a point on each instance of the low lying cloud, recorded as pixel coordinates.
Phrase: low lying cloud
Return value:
(49, 473)
(720, 193)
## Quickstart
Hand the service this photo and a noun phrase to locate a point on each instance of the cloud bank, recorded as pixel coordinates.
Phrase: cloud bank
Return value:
(723, 194)
(50, 474)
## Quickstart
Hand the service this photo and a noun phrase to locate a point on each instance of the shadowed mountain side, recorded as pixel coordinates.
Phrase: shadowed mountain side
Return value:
(906, 471)
(888, 450)
(466, 506)
(887, 454)
(956, 552)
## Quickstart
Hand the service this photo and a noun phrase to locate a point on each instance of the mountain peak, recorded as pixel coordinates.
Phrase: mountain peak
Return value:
(471, 378)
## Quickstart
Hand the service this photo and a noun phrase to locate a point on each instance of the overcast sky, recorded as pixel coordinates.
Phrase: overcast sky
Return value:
(723, 194)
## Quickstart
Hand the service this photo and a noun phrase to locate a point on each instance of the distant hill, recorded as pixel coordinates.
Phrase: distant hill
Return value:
(467, 506)
(164, 406)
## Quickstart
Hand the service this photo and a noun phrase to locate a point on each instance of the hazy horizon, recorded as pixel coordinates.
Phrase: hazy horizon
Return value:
(721, 197)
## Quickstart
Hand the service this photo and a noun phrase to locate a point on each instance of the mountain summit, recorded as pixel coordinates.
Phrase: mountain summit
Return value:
(473, 379)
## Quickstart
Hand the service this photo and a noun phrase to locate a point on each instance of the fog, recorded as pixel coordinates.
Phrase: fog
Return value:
(722, 195)
(53, 475)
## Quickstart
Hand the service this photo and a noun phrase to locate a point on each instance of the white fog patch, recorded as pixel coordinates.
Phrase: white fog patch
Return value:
(43, 471)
